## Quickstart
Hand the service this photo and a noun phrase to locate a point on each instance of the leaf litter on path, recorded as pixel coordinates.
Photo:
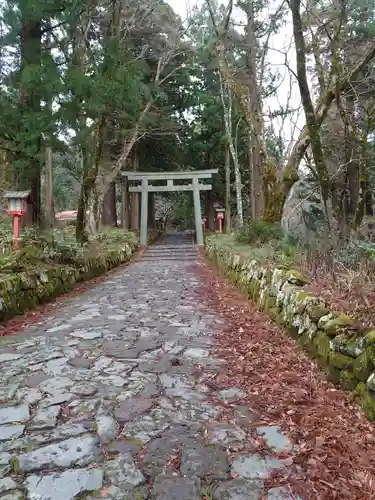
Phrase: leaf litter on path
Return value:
(334, 443)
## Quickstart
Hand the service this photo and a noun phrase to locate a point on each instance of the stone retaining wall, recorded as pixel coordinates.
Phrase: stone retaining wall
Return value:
(23, 291)
(346, 354)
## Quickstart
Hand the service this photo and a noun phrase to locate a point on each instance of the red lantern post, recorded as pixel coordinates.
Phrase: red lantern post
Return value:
(220, 218)
(204, 220)
(17, 208)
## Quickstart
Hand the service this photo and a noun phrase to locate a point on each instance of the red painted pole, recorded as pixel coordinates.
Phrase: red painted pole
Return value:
(16, 230)
(220, 225)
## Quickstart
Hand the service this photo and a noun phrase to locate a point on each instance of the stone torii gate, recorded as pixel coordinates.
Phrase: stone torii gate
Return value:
(145, 187)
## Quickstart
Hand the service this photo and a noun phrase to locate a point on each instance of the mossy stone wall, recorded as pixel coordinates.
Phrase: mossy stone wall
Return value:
(346, 354)
(20, 292)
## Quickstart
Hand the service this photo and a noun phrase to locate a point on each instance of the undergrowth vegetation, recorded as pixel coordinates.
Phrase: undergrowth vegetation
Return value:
(342, 272)
(59, 246)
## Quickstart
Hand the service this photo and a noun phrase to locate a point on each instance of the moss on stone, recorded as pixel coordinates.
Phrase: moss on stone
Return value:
(15, 466)
(370, 337)
(348, 380)
(269, 303)
(322, 343)
(302, 296)
(337, 325)
(363, 366)
(254, 290)
(366, 400)
(340, 361)
(296, 277)
(370, 350)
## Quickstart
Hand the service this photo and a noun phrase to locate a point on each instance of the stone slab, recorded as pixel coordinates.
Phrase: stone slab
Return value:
(274, 439)
(177, 488)
(239, 489)
(254, 466)
(65, 485)
(14, 414)
(71, 452)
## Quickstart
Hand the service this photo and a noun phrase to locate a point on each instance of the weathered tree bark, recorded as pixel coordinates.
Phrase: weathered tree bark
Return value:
(30, 48)
(134, 197)
(109, 215)
(228, 215)
(134, 212)
(259, 157)
(124, 204)
(49, 208)
(210, 211)
(226, 101)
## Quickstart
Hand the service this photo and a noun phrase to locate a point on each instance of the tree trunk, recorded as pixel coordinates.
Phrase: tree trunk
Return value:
(30, 97)
(109, 212)
(134, 197)
(134, 211)
(259, 157)
(228, 216)
(210, 212)
(49, 209)
(227, 110)
(124, 204)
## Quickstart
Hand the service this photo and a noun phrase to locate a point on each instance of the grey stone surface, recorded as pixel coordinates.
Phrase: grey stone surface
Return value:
(75, 451)
(13, 495)
(8, 484)
(281, 493)
(106, 428)
(123, 473)
(14, 414)
(132, 408)
(274, 439)
(200, 461)
(161, 451)
(8, 356)
(230, 395)
(125, 447)
(112, 372)
(45, 418)
(177, 488)
(226, 435)
(11, 431)
(65, 485)
(254, 466)
(239, 489)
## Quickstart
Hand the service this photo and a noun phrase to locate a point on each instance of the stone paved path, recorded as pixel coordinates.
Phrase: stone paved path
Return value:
(101, 399)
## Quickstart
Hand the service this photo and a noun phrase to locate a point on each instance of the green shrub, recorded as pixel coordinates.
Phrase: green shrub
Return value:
(259, 232)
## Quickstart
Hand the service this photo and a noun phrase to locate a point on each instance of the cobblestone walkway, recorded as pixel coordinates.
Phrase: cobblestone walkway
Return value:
(102, 399)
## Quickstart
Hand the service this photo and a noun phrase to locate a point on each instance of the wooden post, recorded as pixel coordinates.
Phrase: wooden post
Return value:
(124, 204)
(134, 218)
(144, 210)
(197, 212)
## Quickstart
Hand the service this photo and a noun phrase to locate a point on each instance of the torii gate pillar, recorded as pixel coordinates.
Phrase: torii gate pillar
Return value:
(197, 212)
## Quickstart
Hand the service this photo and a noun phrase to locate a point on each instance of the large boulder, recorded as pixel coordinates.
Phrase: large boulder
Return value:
(303, 209)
